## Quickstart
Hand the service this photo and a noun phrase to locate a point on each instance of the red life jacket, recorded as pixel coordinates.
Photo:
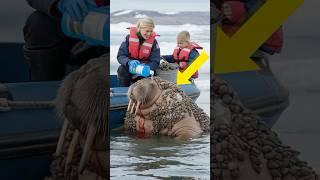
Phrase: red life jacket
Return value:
(181, 56)
(141, 52)
(238, 11)
(272, 45)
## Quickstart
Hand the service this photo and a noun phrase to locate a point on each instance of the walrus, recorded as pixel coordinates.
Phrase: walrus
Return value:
(82, 150)
(159, 107)
(244, 147)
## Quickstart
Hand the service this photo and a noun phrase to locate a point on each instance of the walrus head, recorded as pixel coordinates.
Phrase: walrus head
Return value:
(82, 101)
(83, 94)
(143, 94)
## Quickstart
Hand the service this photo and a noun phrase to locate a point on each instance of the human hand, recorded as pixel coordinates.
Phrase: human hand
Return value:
(163, 61)
(182, 65)
(77, 9)
(132, 65)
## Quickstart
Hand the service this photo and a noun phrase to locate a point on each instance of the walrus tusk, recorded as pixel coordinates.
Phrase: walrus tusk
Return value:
(132, 108)
(71, 150)
(137, 108)
(87, 149)
(129, 105)
(62, 136)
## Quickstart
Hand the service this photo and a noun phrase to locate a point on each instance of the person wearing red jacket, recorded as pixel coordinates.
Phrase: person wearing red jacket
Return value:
(235, 12)
(185, 52)
(138, 47)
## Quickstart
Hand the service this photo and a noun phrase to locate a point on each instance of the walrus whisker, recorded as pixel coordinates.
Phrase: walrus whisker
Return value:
(61, 137)
(137, 108)
(71, 150)
(87, 149)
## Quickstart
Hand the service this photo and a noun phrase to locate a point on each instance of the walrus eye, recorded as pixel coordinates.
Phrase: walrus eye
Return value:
(152, 85)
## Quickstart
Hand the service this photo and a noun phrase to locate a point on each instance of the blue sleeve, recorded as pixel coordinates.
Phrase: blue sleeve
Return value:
(155, 56)
(48, 7)
(168, 58)
(123, 52)
(192, 56)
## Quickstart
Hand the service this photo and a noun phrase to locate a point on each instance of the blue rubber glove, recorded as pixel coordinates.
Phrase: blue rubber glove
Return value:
(77, 9)
(132, 65)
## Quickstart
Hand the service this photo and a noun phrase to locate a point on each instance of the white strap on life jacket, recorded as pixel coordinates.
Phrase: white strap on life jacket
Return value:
(186, 49)
(131, 39)
(147, 44)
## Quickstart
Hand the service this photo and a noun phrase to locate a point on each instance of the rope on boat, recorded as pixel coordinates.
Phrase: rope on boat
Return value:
(7, 105)
(112, 93)
(118, 94)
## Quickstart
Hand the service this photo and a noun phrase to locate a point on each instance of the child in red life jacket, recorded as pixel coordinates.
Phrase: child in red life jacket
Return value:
(235, 12)
(185, 52)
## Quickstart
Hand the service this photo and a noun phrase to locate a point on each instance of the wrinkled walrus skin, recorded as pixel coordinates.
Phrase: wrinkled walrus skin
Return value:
(158, 106)
(82, 100)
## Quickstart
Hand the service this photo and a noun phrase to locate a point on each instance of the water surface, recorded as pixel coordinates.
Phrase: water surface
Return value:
(159, 157)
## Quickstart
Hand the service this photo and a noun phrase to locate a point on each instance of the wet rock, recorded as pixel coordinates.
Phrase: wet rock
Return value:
(166, 66)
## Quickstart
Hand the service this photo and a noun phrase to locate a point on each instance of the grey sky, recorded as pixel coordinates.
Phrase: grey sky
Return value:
(161, 6)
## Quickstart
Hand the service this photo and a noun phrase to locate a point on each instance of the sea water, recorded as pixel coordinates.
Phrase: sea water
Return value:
(162, 157)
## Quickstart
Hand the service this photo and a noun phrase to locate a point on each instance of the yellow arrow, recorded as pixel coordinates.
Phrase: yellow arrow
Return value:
(232, 53)
(183, 77)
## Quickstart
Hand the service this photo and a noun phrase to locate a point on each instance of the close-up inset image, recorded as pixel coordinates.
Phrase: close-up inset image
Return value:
(264, 116)
(54, 69)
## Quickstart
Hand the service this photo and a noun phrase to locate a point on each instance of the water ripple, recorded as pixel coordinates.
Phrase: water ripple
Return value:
(159, 158)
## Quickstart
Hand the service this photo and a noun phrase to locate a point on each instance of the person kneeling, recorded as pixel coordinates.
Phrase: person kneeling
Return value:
(139, 47)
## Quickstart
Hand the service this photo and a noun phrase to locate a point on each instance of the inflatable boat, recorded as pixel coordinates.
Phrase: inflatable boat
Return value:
(260, 90)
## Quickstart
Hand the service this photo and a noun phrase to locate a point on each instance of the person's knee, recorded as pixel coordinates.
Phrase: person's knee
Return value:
(123, 72)
(42, 31)
(123, 76)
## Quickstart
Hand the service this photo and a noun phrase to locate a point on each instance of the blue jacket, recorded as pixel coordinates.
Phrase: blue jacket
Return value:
(123, 54)
(192, 56)
(48, 7)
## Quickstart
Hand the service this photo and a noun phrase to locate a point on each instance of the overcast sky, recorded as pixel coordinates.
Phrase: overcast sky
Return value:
(161, 6)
